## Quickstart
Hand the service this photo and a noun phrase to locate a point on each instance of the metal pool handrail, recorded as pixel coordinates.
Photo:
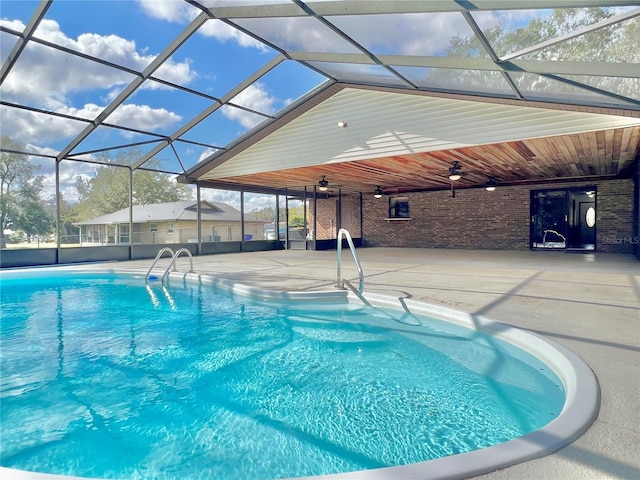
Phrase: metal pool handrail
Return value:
(173, 261)
(340, 283)
(160, 252)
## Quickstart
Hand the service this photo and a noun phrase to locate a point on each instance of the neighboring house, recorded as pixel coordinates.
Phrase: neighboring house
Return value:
(173, 222)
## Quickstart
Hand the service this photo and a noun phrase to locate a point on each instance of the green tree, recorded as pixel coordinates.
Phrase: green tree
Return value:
(296, 215)
(265, 213)
(67, 231)
(34, 219)
(617, 43)
(20, 191)
(107, 190)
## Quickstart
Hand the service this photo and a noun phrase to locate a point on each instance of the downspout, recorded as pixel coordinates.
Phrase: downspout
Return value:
(58, 199)
(304, 216)
(286, 222)
(339, 213)
(130, 213)
(361, 222)
(315, 217)
(198, 220)
(276, 225)
(242, 220)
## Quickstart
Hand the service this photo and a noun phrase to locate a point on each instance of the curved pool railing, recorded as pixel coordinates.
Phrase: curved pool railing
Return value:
(161, 252)
(173, 263)
(340, 282)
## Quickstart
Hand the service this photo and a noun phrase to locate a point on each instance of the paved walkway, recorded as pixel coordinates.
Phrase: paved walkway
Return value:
(590, 303)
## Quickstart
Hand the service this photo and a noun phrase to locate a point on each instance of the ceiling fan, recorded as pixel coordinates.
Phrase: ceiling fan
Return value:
(455, 171)
(324, 185)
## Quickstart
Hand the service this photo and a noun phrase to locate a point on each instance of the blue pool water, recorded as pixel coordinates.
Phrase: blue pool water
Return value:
(103, 377)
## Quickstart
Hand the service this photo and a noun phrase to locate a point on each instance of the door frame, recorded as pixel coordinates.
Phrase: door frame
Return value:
(569, 215)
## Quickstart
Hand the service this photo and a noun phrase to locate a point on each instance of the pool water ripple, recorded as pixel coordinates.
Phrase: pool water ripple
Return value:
(132, 385)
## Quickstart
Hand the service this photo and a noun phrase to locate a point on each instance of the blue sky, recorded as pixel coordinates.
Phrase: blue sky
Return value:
(131, 34)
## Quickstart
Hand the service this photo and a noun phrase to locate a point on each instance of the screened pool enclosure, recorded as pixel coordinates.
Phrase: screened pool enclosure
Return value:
(212, 124)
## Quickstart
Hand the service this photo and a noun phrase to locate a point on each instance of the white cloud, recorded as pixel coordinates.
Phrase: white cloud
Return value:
(174, 11)
(7, 39)
(27, 127)
(405, 34)
(221, 196)
(153, 119)
(297, 34)
(89, 110)
(69, 174)
(206, 153)
(258, 202)
(224, 33)
(45, 168)
(41, 151)
(48, 78)
(254, 97)
(178, 73)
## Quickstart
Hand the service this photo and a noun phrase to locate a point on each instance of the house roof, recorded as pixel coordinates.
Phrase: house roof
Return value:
(172, 212)
(406, 141)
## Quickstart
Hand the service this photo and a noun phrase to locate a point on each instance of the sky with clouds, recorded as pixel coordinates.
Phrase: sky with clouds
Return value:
(131, 34)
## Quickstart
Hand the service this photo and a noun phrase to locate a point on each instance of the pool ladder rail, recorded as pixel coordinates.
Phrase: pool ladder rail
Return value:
(172, 263)
(344, 283)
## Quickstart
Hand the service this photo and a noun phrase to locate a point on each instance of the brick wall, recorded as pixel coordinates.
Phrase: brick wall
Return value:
(614, 217)
(477, 219)
(326, 222)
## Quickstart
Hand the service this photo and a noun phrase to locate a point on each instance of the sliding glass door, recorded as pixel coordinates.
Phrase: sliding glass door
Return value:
(563, 219)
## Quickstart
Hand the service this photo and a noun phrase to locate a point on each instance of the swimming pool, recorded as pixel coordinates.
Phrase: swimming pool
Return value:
(271, 391)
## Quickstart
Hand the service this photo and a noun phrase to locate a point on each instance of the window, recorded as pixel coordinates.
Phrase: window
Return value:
(398, 207)
(124, 233)
(590, 217)
(170, 228)
(154, 227)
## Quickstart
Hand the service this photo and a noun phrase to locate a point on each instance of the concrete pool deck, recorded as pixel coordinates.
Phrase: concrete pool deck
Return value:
(589, 303)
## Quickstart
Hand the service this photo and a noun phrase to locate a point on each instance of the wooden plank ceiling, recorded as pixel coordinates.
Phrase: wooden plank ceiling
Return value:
(604, 153)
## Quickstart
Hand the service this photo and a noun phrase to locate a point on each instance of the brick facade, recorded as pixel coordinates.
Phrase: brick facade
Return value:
(477, 219)
(326, 223)
(614, 217)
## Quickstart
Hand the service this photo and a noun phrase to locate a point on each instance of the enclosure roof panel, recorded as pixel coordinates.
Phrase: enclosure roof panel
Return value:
(186, 85)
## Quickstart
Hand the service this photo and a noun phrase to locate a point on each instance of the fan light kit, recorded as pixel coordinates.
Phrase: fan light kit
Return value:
(454, 171)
